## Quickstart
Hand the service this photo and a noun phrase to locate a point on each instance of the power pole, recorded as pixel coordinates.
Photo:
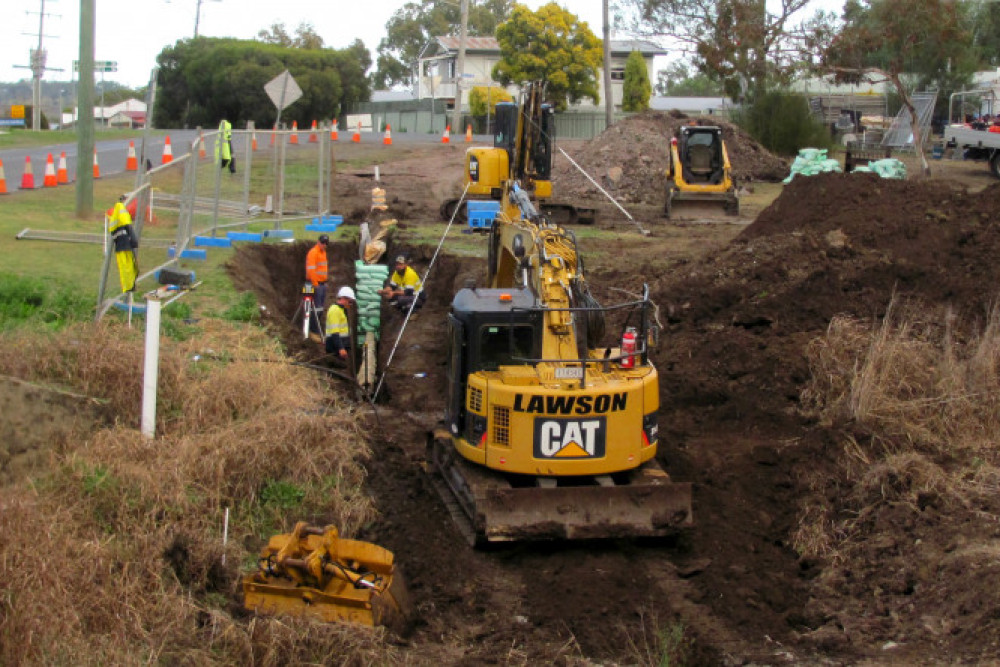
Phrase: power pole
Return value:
(609, 98)
(38, 57)
(456, 116)
(85, 116)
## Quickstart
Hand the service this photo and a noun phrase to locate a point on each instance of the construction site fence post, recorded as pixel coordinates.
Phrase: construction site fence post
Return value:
(151, 368)
(216, 163)
(247, 166)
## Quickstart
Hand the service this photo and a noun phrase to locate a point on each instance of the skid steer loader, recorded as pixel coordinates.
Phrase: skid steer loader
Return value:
(699, 174)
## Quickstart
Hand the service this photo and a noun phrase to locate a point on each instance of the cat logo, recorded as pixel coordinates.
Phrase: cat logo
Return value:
(569, 438)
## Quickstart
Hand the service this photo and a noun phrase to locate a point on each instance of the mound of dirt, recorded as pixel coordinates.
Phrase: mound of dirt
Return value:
(732, 372)
(629, 159)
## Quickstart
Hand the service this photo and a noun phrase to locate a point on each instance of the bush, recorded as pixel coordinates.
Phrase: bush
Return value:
(783, 123)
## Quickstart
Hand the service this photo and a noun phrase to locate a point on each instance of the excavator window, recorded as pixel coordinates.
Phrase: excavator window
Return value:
(501, 345)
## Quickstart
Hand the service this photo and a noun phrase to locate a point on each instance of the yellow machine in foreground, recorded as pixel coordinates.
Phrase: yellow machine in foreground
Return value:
(550, 429)
(699, 171)
(314, 572)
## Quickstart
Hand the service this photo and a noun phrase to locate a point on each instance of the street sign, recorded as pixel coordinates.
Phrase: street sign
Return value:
(99, 65)
(11, 121)
(283, 90)
(17, 111)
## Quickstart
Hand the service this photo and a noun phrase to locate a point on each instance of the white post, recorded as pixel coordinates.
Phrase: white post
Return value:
(151, 367)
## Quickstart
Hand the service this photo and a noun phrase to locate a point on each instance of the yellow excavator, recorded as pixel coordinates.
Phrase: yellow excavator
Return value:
(550, 428)
(488, 167)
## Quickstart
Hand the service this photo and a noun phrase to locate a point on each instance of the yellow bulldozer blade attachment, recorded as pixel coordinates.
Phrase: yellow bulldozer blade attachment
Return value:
(314, 572)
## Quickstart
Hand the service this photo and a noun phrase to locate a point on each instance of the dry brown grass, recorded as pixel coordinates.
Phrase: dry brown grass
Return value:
(114, 555)
(923, 389)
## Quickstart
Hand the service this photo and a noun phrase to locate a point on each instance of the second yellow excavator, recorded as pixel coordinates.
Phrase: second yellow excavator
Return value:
(550, 429)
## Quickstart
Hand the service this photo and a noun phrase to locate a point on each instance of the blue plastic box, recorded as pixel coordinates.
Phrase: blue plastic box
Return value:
(482, 213)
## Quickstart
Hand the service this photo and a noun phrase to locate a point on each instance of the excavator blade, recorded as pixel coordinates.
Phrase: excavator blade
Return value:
(701, 206)
(489, 508)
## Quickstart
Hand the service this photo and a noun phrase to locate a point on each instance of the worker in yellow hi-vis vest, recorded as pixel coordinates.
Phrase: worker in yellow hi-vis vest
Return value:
(224, 146)
(125, 243)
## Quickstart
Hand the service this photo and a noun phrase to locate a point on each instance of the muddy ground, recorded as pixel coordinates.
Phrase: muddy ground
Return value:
(739, 301)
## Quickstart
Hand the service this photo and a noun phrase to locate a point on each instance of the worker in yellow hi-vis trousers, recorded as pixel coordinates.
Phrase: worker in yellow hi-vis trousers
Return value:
(125, 242)
(224, 146)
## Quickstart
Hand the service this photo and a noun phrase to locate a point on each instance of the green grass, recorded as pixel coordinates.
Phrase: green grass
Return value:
(26, 138)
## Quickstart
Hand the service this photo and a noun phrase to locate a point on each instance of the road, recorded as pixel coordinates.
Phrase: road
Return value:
(112, 154)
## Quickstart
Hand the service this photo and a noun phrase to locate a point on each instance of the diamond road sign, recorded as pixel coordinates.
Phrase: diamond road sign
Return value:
(99, 65)
(283, 90)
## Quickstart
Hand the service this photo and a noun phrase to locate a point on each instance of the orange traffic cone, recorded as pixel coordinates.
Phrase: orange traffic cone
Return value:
(356, 137)
(131, 161)
(62, 174)
(97, 169)
(3, 180)
(294, 139)
(333, 130)
(387, 139)
(28, 177)
(446, 137)
(202, 154)
(49, 181)
(168, 152)
(253, 140)
(312, 134)
(273, 130)
(468, 133)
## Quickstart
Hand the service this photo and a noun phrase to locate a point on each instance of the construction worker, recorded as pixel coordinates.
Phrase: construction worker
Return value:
(125, 242)
(317, 273)
(225, 142)
(338, 329)
(404, 287)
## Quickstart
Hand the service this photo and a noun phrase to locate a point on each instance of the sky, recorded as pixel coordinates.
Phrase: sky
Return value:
(135, 41)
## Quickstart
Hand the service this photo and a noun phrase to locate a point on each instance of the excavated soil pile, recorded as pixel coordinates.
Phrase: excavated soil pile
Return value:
(630, 158)
(732, 369)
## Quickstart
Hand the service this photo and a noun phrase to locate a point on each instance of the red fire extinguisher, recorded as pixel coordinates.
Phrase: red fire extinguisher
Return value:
(628, 348)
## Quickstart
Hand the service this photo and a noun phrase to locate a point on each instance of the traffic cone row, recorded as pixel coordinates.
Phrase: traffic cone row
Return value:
(333, 130)
(446, 137)
(3, 180)
(294, 139)
(253, 140)
(168, 152)
(356, 137)
(312, 134)
(468, 133)
(387, 140)
(202, 154)
(97, 169)
(49, 181)
(131, 161)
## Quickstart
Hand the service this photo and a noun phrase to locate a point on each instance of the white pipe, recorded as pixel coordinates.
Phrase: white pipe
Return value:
(151, 367)
(225, 535)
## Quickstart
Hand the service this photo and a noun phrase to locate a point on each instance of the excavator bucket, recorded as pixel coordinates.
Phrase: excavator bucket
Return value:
(314, 572)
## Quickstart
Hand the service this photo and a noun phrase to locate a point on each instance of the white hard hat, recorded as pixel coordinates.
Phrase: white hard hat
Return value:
(345, 292)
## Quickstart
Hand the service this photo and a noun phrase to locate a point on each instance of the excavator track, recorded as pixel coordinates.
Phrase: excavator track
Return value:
(488, 507)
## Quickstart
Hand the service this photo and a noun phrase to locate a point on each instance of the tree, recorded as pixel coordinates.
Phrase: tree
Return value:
(678, 81)
(417, 23)
(736, 42)
(305, 36)
(203, 80)
(550, 45)
(636, 89)
(927, 44)
(482, 98)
